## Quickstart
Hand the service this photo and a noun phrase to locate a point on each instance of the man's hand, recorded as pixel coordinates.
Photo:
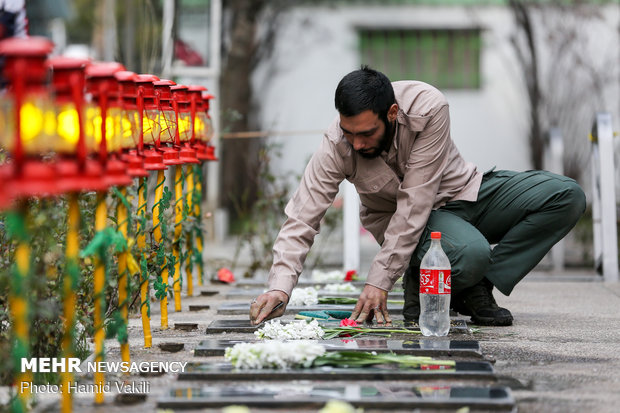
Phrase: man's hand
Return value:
(263, 305)
(372, 302)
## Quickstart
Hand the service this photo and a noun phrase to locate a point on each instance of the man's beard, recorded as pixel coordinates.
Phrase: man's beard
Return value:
(384, 143)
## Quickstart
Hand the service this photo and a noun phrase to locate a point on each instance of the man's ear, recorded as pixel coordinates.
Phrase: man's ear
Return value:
(392, 112)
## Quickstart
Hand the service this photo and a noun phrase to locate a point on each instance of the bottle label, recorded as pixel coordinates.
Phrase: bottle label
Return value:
(435, 281)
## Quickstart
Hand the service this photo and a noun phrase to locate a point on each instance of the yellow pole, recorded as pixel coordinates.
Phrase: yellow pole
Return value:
(99, 284)
(144, 276)
(70, 284)
(123, 284)
(159, 193)
(19, 308)
(197, 214)
(188, 242)
(176, 245)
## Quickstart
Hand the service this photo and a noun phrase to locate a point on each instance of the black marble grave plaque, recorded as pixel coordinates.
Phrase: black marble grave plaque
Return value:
(303, 282)
(379, 396)
(244, 308)
(463, 370)
(424, 346)
(244, 326)
(244, 293)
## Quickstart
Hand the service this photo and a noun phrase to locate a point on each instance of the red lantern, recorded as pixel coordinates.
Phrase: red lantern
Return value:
(200, 122)
(104, 119)
(76, 171)
(181, 105)
(167, 117)
(147, 104)
(206, 97)
(132, 140)
(25, 132)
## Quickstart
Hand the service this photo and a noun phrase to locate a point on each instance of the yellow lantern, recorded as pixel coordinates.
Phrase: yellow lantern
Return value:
(167, 118)
(69, 80)
(129, 121)
(150, 112)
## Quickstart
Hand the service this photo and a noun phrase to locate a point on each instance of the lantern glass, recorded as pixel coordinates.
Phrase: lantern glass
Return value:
(38, 124)
(113, 130)
(130, 134)
(168, 125)
(200, 127)
(209, 129)
(185, 126)
(67, 128)
(151, 126)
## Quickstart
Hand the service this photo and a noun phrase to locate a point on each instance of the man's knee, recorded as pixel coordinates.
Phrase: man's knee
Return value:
(470, 265)
(575, 201)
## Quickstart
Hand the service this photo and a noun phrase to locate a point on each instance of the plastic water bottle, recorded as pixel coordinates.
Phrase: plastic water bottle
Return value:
(435, 283)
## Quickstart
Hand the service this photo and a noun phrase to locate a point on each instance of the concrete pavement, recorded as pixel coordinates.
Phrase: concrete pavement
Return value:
(561, 355)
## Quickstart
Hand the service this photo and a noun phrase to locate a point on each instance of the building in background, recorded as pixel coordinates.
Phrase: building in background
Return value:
(467, 49)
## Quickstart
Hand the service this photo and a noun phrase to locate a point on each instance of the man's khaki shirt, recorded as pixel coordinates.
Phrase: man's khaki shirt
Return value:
(421, 171)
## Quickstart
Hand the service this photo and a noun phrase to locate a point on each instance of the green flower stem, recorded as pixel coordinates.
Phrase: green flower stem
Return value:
(349, 300)
(361, 359)
(332, 332)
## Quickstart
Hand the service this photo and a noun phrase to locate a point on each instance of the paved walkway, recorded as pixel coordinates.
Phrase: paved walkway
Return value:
(561, 355)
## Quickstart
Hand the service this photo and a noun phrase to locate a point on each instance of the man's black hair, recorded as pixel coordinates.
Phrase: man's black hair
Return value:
(364, 89)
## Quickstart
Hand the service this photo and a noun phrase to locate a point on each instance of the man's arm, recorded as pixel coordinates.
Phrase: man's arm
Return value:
(316, 192)
(416, 197)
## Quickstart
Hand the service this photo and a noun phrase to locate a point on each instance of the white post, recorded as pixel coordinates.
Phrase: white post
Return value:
(167, 36)
(597, 236)
(556, 165)
(213, 168)
(604, 189)
(109, 30)
(351, 224)
(201, 74)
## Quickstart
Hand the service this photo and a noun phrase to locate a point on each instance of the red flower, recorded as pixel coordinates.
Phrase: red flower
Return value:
(347, 322)
(225, 275)
(351, 275)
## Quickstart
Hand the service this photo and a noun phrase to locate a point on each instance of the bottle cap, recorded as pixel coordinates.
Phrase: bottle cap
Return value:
(436, 235)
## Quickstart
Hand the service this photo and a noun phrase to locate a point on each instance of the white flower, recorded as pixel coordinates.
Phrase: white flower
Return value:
(274, 354)
(342, 288)
(339, 406)
(295, 330)
(319, 276)
(304, 297)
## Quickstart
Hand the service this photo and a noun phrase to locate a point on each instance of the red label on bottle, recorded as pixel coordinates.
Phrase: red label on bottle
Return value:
(435, 281)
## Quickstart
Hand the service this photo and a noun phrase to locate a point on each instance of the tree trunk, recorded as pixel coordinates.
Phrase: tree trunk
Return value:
(529, 62)
(239, 159)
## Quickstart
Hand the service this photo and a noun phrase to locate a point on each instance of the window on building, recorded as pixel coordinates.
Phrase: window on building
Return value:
(447, 59)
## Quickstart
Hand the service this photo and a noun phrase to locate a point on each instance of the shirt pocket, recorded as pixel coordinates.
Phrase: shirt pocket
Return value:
(372, 184)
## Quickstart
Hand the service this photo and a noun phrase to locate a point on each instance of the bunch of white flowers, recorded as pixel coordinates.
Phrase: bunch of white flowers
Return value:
(304, 297)
(319, 276)
(274, 354)
(295, 330)
(342, 288)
